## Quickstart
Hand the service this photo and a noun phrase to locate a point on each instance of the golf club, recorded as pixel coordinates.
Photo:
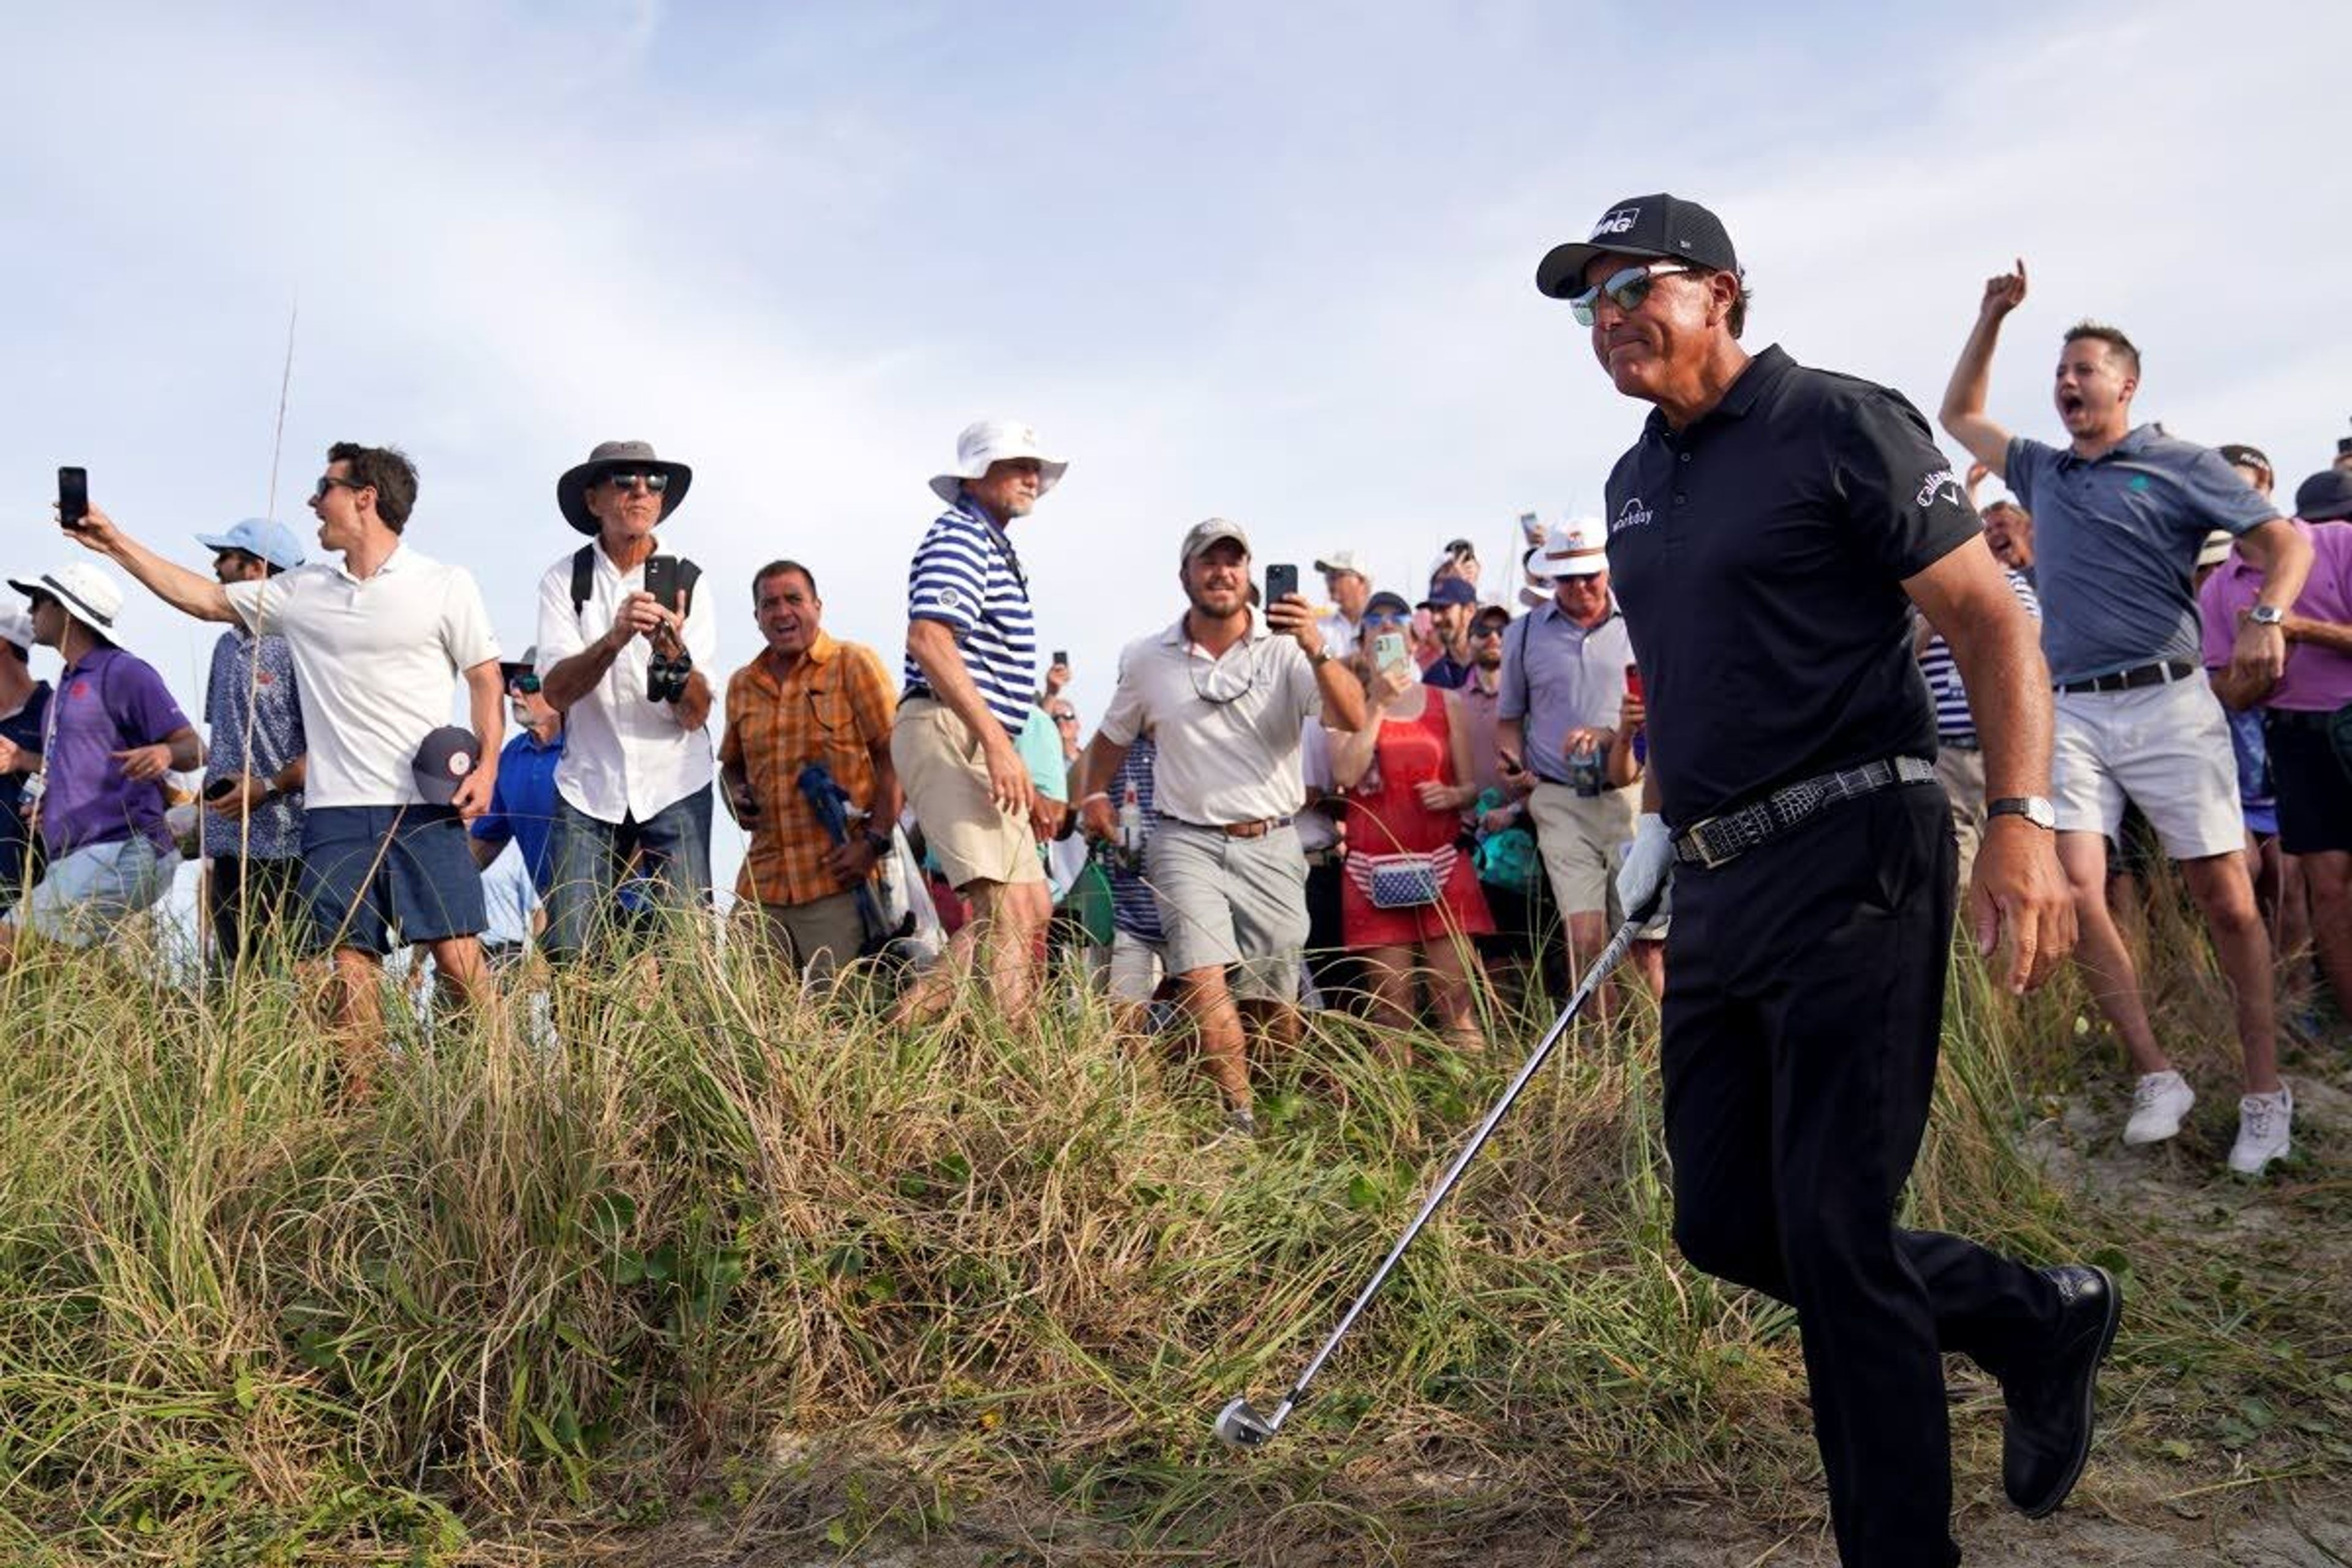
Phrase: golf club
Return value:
(1242, 1425)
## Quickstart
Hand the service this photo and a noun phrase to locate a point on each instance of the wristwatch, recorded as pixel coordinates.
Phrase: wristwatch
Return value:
(2267, 616)
(881, 841)
(2032, 807)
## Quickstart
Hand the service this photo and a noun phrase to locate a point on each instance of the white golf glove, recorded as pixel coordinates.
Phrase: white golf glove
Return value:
(1648, 871)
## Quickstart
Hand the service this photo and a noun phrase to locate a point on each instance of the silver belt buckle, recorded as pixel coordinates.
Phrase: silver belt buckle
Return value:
(1702, 844)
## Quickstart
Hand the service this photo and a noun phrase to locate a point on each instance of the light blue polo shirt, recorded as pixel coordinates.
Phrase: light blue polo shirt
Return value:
(1558, 676)
(2114, 545)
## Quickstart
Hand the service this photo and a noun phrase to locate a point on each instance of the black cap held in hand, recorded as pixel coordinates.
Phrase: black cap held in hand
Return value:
(1659, 225)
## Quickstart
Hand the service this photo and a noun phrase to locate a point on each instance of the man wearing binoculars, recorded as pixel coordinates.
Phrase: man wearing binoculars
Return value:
(623, 645)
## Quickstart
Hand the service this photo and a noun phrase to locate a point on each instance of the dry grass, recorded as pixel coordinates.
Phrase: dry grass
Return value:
(726, 1253)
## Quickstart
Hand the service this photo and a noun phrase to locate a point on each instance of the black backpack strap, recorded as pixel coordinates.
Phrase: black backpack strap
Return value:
(583, 578)
(688, 575)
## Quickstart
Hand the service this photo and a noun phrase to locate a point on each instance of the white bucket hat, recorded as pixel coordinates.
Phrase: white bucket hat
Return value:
(89, 595)
(17, 626)
(1572, 549)
(986, 441)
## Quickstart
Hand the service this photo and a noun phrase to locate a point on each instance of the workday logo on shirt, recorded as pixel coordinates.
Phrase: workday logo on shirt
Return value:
(1633, 514)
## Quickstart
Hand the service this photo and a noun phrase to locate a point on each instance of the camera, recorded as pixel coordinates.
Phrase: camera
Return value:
(666, 676)
(1584, 774)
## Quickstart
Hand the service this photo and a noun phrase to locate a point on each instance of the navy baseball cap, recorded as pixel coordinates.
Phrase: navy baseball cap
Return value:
(262, 538)
(1660, 226)
(441, 763)
(1449, 591)
(2325, 497)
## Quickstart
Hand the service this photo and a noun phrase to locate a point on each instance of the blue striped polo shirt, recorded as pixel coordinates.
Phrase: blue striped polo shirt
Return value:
(966, 577)
(1953, 720)
(1134, 907)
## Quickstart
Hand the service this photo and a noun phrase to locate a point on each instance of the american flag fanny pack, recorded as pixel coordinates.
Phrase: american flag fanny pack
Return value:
(1401, 881)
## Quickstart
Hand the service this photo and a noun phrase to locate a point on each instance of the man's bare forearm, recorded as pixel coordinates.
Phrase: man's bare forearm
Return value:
(569, 679)
(932, 646)
(1962, 415)
(2319, 634)
(190, 593)
(2001, 663)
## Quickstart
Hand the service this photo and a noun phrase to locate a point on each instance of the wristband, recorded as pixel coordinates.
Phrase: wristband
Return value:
(1085, 801)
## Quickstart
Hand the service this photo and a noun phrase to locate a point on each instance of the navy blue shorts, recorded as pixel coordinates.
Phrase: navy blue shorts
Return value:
(370, 870)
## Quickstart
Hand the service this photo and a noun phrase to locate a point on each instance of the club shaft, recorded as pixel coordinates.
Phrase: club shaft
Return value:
(1609, 959)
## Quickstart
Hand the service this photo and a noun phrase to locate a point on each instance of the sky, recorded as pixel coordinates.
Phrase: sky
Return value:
(1272, 263)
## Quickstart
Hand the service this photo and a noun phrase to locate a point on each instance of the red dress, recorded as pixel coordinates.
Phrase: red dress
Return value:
(1385, 817)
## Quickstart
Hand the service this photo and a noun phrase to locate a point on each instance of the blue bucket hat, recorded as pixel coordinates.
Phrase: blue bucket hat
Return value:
(261, 538)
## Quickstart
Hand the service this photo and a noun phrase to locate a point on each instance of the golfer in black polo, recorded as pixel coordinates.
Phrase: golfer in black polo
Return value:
(1767, 535)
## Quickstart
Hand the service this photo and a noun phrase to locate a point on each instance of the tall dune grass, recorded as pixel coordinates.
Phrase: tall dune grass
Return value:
(724, 1246)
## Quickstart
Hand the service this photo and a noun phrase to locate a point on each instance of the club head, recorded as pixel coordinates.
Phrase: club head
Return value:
(1241, 1426)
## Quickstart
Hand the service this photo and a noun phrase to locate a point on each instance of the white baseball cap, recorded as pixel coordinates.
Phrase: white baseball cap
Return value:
(1343, 561)
(986, 441)
(17, 626)
(90, 596)
(1572, 549)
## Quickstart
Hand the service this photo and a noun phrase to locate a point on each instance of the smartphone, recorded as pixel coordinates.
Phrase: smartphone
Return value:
(661, 580)
(1281, 582)
(1510, 761)
(1633, 680)
(1531, 528)
(1389, 650)
(1062, 657)
(220, 786)
(73, 498)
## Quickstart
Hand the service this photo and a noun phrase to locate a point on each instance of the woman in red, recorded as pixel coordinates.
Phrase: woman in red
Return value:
(1409, 901)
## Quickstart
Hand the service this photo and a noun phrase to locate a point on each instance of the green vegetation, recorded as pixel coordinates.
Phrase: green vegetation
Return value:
(726, 1254)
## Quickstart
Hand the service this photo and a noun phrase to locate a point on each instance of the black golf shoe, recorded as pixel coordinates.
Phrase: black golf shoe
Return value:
(2046, 1436)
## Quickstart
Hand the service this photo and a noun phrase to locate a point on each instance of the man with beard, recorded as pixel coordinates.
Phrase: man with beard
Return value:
(1768, 534)
(806, 699)
(2119, 514)
(1224, 693)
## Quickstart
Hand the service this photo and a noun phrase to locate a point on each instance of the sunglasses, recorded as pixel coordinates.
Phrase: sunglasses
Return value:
(1386, 618)
(1486, 630)
(332, 481)
(524, 684)
(1066, 718)
(627, 478)
(1625, 289)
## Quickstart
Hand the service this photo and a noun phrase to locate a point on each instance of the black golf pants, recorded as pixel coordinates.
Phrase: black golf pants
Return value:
(1804, 1002)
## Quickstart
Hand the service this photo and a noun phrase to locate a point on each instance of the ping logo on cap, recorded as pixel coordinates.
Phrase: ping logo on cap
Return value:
(459, 765)
(1619, 222)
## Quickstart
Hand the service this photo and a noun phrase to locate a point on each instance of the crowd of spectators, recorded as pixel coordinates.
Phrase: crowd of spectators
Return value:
(1365, 799)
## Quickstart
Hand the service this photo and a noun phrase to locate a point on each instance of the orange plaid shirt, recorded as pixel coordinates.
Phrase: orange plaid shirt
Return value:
(836, 705)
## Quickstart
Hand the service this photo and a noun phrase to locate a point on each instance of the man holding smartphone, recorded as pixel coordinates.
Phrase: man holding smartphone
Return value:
(376, 636)
(1563, 682)
(1768, 534)
(625, 643)
(1224, 693)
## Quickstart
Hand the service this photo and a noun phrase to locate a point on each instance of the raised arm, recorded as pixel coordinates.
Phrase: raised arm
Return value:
(1963, 414)
(190, 593)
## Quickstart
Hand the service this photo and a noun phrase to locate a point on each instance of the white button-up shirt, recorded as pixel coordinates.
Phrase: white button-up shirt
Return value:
(624, 757)
(1218, 763)
(373, 658)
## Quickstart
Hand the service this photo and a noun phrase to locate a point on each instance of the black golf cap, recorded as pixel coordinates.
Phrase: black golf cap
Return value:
(2244, 456)
(1660, 226)
(2325, 497)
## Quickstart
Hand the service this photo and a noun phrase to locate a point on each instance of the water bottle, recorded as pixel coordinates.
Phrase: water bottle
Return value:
(1130, 826)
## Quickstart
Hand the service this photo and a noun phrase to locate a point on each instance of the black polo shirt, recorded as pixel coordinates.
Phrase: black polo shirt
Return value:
(1760, 557)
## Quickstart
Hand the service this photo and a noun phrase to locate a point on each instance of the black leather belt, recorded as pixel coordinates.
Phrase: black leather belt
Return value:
(1718, 841)
(2163, 672)
(1257, 829)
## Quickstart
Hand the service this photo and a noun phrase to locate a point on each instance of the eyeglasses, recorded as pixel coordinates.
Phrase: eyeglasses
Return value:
(626, 478)
(330, 482)
(1625, 289)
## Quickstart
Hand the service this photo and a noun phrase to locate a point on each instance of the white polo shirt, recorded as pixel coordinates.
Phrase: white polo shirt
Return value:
(623, 756)
(1218, 763)
(373, 660)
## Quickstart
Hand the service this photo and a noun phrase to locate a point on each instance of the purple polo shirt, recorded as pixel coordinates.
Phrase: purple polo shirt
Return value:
(107, 701)
(2317, 679)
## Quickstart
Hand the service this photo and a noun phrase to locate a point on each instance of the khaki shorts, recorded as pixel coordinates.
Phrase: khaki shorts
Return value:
(817, 937)
(1583, 839)
(946, 779)
(1234, 903)
(1961, 773)
(2166, 748)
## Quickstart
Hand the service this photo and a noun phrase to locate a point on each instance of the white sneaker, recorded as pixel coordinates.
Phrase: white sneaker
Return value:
(2262, 1122)
(2158, 1104)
